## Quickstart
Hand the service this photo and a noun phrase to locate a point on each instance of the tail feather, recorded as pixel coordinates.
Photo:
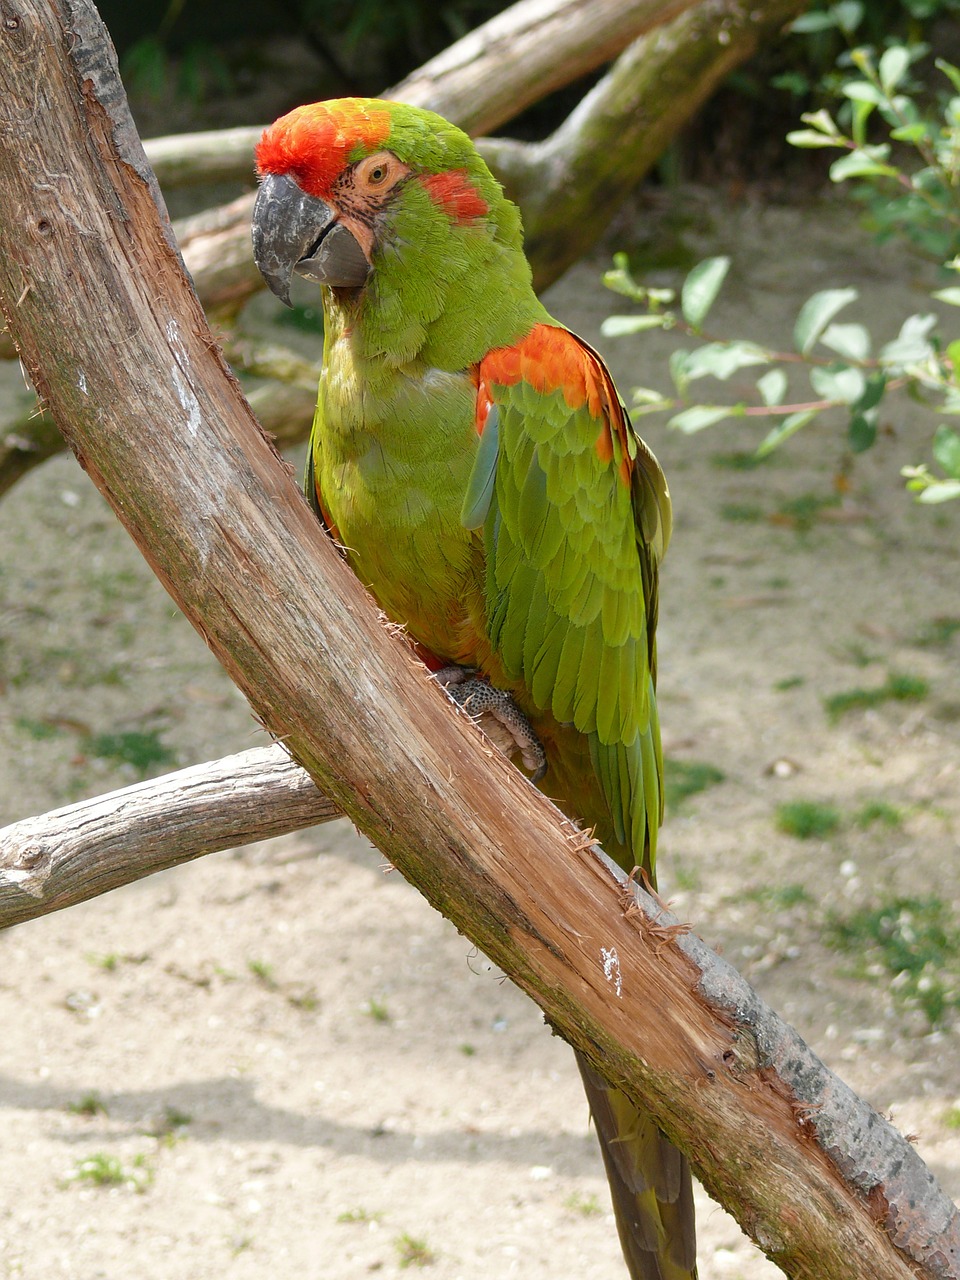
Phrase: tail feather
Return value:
(650, 1185)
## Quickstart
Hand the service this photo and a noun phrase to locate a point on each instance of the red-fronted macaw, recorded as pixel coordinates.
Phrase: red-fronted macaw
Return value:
(474, 459)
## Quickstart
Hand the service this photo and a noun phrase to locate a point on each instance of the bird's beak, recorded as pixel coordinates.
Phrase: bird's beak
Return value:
(293, 231)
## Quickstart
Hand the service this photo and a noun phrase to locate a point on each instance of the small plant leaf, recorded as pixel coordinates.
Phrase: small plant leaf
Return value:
(862, 431)
(722, 359)
(940, 491)
(784, 430)
(677, 364)
(858, 164)
(873, 392)
(946, 450)
(863, 91)
(850, 340)
(951, 295)
(772, 386)
(809, 23)
(822, 120)
(699, 416)
(950, 71)
(647, 395)
(810, 138)
(913, 133)
(893, 67)
(910, 346)
(700, 289)
(816, 313)
(840, 382)
(620, 326)
(848, 15)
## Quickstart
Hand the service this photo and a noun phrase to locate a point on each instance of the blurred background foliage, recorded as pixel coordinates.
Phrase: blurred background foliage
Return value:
(184, 50)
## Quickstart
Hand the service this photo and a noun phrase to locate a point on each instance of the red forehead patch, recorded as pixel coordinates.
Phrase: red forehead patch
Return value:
(315, 143)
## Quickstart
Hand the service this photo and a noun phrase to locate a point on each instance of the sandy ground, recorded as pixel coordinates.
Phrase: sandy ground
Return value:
(280, 1062)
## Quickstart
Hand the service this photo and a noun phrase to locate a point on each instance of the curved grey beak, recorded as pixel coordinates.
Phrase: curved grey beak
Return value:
(293, 231)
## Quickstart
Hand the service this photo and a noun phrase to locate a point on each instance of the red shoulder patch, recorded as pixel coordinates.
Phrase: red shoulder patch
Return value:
(551, 359)
(456, 195)
(316, 142)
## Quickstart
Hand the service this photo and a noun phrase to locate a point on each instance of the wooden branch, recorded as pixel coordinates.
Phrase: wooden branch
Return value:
(69, 855)
(526, 52)
(570, 185)
(208, 156)
(25, 442)
(91, 285)
(484, 79)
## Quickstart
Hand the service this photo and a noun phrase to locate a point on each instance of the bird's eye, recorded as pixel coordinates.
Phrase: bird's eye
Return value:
(377, 175)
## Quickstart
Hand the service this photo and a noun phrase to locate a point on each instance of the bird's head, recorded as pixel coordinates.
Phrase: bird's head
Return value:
(348, 184)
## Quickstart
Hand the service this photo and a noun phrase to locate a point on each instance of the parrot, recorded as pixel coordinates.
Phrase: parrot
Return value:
(475, 463)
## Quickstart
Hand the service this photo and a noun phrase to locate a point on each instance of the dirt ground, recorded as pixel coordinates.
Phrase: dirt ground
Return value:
(278, 1061)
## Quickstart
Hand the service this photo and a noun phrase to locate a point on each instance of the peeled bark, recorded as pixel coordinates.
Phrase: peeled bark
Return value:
(115, 340)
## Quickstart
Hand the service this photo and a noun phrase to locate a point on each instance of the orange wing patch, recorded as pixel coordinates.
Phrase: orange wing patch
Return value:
(552, 359)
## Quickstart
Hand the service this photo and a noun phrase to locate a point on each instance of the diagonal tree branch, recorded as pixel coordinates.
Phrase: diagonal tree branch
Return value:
(115, 341)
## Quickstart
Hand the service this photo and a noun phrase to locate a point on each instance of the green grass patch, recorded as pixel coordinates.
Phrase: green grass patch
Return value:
(263, 972)
(103, 1170)
(789, 682)
(899, 687)
(39, 730)
(938, 632)
(141, 750)
(736, 460)
(807, 819)
(878, 813)
(89, 1106)
(169, 1125)
(779, 897)
(914, 940)
(685, 778)
(585, 1206)
(951, 1117)
(741, 512)
(413, 1252)
(802, 512)
(358, 1216)
(376, 1010)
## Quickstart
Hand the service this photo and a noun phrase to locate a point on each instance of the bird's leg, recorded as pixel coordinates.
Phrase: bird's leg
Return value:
(497, 714)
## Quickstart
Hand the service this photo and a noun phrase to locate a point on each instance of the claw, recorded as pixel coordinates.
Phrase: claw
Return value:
(497, 714)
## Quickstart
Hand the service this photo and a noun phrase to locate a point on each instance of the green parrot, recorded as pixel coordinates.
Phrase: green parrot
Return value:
(475, 461)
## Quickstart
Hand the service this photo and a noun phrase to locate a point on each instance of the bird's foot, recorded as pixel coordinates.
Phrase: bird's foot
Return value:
(495, 711)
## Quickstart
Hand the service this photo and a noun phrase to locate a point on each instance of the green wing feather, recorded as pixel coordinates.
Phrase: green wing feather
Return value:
(573, 534)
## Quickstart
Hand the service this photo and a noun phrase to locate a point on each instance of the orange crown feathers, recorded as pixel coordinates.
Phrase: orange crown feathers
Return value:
(315, 143)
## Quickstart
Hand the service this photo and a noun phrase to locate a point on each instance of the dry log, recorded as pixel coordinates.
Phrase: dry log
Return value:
(823, 1184)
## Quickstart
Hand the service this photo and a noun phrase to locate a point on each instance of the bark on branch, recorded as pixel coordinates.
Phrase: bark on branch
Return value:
(58, 859)
(116, 342)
